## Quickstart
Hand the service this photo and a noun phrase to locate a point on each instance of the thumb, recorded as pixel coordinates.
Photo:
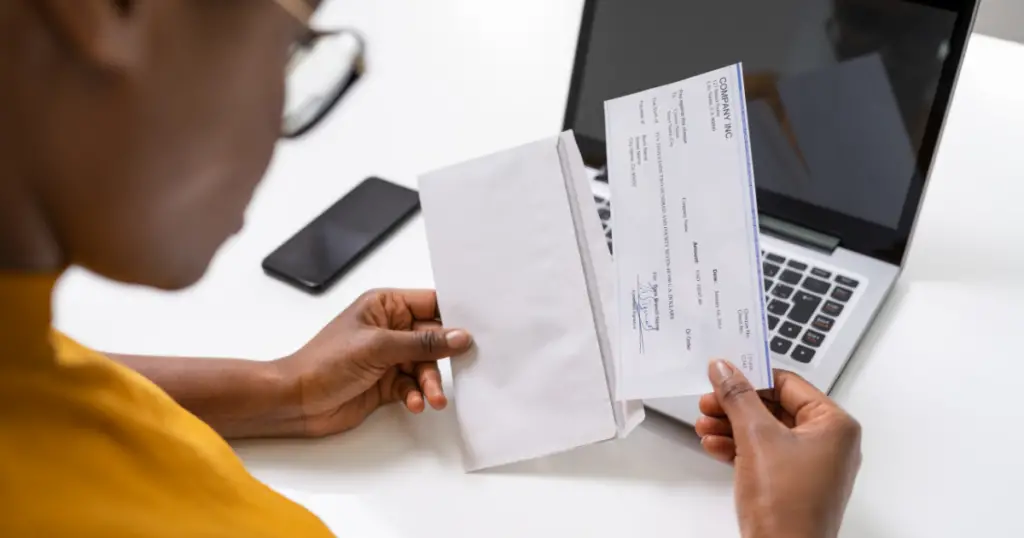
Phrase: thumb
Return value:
(737, 396)
(423, 345)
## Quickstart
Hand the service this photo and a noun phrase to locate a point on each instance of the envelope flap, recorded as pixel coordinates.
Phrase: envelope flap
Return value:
(600, 273)
(507, 267)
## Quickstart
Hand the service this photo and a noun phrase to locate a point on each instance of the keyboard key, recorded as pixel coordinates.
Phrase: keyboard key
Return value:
(767, 284)
(813, 338)
(772, 322)
(775, 258)
(604, 213)
(778, 308)
(842, 294)
(599, 200)
(610, 249)
(803, 354)
(770, 270)
(790, 330)
(781, 345)
(782, 291)
(848, 282)
(815, 285)
(804, 306)
(832, 308)
(821, 273)
(790, 277)
(799, 266)
(823, 323)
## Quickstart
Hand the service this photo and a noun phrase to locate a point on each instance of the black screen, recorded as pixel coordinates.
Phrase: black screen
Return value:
(840, 92)
(330, 244)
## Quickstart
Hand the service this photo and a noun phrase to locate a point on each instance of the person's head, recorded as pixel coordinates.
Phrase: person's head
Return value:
(135, 131)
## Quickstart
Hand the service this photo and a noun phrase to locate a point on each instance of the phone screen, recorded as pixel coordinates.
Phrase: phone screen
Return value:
(322, 251)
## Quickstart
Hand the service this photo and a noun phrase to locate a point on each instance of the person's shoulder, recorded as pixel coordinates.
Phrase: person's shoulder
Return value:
(84, 433)
(66, 347)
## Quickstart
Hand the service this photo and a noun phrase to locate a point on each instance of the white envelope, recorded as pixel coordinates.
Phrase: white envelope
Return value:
(520, 260)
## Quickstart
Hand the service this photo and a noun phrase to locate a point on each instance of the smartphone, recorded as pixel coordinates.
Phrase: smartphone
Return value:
(329, 246)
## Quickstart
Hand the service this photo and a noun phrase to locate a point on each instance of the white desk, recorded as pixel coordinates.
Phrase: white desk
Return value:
(435, 68)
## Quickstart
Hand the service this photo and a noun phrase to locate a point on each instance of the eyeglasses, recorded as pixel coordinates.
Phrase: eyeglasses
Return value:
(324, 64)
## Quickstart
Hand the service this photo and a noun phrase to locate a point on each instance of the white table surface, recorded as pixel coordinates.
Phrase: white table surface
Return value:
(452, 79)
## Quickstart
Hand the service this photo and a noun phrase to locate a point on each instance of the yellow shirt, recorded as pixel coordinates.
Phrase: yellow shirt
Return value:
(89, 448)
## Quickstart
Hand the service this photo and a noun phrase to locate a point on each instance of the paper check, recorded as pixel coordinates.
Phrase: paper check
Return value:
(686, 248)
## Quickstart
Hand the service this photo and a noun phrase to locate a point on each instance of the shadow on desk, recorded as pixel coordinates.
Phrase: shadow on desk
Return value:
(659, 451)
(395, 443)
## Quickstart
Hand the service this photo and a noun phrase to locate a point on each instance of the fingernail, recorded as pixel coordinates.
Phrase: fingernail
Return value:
(414, 399)
(458, 339)
(720, 371)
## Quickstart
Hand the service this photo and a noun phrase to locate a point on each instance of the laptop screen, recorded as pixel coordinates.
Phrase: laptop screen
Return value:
(842, 94)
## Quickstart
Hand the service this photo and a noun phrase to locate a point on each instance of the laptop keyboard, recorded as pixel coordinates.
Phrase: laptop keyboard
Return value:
(804, 302)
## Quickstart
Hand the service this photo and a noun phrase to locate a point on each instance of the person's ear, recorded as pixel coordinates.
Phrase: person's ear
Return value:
(105, 32)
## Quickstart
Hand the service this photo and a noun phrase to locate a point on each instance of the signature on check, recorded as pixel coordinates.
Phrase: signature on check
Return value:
(645, 309)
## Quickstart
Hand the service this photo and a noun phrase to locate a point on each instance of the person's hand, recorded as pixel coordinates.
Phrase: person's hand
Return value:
(796, 453)
(382, 349)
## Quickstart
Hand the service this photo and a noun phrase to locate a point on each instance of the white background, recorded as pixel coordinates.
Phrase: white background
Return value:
(1002, 18)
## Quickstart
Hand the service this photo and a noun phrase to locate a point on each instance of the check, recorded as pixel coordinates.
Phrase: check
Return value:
(686, 236)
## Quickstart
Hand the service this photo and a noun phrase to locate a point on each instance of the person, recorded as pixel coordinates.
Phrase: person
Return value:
(133, 134)
(795, 451)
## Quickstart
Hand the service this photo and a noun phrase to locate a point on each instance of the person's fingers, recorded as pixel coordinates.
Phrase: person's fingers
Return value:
(425, 325)
(797, 397)
(706, 426)
(721, 448)
(414, 402)
(737, 396)
(778, 412)
(405, 390)
(413, 368)
(429, 379)
(421, 303)
(397, 347)
(709, 406)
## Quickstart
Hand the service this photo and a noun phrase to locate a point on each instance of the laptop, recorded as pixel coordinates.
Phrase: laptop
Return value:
(846, 101)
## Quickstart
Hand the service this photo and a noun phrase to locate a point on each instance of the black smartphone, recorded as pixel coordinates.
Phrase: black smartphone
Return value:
(330, 245)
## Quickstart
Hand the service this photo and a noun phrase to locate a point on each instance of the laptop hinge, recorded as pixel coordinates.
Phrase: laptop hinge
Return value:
(798, 234)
